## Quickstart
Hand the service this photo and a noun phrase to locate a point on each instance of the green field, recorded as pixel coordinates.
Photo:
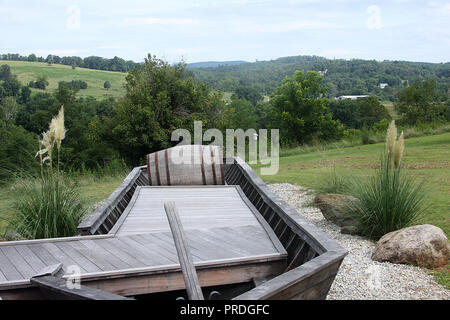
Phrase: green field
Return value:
(28, 71)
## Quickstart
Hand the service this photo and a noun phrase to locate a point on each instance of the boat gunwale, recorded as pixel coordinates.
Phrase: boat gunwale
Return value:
(85, 278)
(91, 223)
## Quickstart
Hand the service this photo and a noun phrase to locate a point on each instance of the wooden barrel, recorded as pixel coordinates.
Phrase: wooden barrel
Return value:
(186, 165)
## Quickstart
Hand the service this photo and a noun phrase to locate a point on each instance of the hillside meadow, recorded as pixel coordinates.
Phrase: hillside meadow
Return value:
(29, 71)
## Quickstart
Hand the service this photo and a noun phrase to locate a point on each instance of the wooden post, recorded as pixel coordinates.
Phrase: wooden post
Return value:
(193, 288)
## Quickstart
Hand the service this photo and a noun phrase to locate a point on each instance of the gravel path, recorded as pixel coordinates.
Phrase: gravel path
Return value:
(359, 276)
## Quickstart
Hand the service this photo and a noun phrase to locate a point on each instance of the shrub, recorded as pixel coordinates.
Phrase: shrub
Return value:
(389, 200)
(366, 136)
(49, 206)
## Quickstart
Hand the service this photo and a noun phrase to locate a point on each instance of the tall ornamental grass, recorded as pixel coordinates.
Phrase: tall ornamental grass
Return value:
(390, 199)
(48, 206)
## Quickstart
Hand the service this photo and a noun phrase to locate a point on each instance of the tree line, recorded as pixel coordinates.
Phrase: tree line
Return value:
(342, 77)
(92, 62)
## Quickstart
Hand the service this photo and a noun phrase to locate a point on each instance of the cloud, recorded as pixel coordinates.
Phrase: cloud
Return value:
(111, 47)
(10, 14)
(58, 52)
(340, 52)
(245, 26)
(159, 21)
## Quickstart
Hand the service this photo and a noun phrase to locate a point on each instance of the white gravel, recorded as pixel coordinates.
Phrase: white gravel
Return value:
(360, 277)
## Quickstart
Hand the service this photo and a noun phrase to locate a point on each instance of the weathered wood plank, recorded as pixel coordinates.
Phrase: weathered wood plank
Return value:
(92, 255)
(18, 261)
(8, 270)
(30, 257)
(190, 276)
(106, 255)
(56, 288)
(124, 256)
(157, 246)
(60, 256)
(49, 270)
(162, 282)
(80, 259)
(46, 257)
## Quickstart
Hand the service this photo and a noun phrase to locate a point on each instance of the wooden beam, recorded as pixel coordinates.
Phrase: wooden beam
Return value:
(56, 288)
(50, 270)
(193, 288)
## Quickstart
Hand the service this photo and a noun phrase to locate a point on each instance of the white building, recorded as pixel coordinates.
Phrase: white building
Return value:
(383, 85)
(350, 97)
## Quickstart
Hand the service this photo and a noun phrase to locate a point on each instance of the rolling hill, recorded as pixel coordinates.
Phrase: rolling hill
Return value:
(28, 71)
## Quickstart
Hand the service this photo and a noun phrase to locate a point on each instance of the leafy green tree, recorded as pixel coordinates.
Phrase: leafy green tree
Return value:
(346, 111)
(371, 111)
(40, 83)
(107, 85)
(32, 58)
(300, 111)
(242, 114)
(25, 94)
(8, 110)
(248, 93)
(17, 151)
(359, 113)
(10, 88)
(5, 72)
(420, 102)
(159, 99)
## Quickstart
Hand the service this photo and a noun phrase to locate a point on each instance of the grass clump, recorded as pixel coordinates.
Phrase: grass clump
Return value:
(334, 183)
(389, 199)
(48, 206)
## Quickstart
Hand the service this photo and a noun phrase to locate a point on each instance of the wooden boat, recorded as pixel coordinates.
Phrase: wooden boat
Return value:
(250, 245)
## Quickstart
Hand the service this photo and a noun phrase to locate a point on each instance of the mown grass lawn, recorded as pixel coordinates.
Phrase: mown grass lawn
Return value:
(427, 158)
(29, 71)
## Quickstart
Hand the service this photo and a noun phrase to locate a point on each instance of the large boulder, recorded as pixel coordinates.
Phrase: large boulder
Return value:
(333, 207)
(424, 245)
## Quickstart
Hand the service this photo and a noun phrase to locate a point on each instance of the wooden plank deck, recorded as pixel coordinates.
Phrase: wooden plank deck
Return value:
(228, 245)
(200, 207)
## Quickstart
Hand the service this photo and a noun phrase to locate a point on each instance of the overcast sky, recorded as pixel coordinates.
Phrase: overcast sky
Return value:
(228, 30)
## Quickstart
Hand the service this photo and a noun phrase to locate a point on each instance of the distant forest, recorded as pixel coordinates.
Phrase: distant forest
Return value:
(342, 77)
(92, 62)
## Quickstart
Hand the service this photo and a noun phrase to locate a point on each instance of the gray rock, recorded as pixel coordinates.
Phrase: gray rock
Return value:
(333, 207)
(424, 245)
